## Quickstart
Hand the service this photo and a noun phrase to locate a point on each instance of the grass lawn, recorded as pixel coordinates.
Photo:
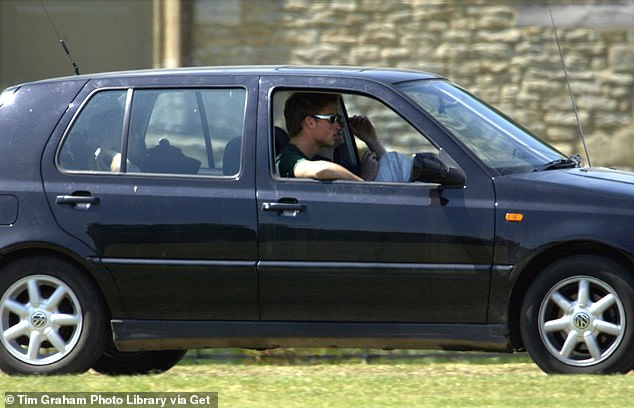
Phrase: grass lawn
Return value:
(435, 382)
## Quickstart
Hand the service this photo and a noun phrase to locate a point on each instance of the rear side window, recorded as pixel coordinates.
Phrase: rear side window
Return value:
(97, 131)
(169, 131)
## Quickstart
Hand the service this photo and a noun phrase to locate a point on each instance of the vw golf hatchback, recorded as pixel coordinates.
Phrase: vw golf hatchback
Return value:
(141, 215)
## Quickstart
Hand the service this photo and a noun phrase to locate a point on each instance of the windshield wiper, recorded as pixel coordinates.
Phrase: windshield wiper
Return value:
(568, 163)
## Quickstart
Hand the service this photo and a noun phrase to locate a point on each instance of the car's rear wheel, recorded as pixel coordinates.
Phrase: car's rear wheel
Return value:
(51, 318)
(115, 362)
(576, 317)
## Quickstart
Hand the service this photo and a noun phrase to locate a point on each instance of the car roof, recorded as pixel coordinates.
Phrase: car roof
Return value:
(385, 75)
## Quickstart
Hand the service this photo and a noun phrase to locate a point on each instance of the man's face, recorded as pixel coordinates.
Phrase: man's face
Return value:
(326, 133)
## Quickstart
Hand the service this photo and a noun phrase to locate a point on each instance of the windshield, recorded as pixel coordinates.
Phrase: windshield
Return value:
(493, 138)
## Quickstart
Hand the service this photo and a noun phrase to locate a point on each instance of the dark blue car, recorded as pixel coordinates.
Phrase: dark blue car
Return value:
(141, 215)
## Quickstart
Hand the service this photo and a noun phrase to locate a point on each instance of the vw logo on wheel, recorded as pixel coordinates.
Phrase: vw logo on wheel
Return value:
(581, 320)
(38, 320)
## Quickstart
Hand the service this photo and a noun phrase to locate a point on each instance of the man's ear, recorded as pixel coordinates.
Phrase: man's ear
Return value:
(309, 122)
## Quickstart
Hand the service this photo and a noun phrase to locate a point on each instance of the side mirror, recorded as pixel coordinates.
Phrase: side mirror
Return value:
(428, 168)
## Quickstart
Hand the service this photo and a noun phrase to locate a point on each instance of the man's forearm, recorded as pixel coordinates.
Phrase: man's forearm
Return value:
(323, 170)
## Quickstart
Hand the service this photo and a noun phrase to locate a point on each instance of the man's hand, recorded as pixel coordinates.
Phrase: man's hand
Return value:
(362, 127)
(369, 166)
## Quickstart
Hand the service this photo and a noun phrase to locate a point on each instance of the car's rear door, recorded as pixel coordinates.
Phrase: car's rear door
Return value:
(372, 252)
(175, 223)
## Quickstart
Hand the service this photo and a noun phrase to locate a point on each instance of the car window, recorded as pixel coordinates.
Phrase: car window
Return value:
(395, 133)
(171, 131)
(95, 136)
(496, 140)
(399, 137)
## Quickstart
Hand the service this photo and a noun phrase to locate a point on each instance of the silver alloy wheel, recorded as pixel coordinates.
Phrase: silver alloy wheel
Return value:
(581, 321)
(40, 320)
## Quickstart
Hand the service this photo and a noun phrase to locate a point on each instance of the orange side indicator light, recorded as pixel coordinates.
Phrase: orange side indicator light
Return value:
(514, 217)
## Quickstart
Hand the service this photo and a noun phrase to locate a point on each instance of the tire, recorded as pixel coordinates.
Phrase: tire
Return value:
(576, 317)
(115, 362)
(52, 319)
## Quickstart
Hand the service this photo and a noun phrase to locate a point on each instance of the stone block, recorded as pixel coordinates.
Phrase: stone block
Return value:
(562, 134)
(612, 79)
(497, 51)
(613, 120)
(493, 17)
(394, 53)
(621, 58)
(450, 50)
(612, 148)
(564, 118)
(512, 35)
(596, 103)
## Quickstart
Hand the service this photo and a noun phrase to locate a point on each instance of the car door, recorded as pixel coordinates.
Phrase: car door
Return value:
(367, 251)
(158, 178)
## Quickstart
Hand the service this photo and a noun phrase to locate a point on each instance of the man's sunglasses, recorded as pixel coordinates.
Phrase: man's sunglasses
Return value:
(332, 118)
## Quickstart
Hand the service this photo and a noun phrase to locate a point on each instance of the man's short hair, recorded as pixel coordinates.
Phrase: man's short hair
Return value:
(302, 104)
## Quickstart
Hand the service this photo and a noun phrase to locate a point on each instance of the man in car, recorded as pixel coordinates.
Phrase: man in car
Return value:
(315, 131)
(313, 124)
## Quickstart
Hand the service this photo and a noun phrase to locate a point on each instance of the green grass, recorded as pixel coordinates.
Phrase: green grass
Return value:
(433, 381)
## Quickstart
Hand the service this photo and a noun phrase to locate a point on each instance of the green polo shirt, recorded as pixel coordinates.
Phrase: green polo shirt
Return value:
(285, 162)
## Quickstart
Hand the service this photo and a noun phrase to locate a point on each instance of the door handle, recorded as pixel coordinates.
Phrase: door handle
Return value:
(287, 209)
(77, 201)
(283, 207)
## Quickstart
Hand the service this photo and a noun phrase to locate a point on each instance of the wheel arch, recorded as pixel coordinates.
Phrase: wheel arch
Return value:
(525, 273)
(86, 268)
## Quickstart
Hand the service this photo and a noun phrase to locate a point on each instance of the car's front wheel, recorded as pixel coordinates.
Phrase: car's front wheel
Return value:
(51, 318)
(576, 317)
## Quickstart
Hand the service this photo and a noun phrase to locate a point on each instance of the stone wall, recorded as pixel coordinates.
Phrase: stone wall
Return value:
(503, 51)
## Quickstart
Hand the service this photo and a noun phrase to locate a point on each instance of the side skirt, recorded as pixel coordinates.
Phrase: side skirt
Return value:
(135, 335)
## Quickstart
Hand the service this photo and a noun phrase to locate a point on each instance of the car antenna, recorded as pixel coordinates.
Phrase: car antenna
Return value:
(572, 98)
(61, 40)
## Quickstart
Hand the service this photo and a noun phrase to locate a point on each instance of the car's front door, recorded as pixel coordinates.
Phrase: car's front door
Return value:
(154, 179)
(373, 252)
